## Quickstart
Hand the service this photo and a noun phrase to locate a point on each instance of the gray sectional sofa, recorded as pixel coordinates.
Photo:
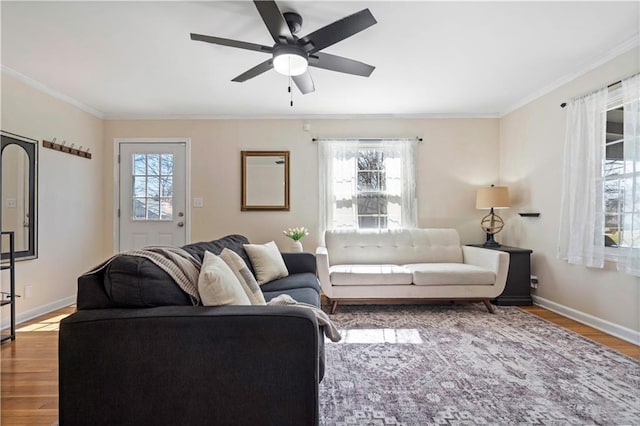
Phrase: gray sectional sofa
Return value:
(137, 352)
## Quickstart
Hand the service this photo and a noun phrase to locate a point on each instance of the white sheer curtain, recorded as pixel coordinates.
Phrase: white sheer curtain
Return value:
(400, 167)
(581, 236)
(338, 181)
(629, 260)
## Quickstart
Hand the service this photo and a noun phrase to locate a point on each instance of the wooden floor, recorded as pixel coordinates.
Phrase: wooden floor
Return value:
(29, 366)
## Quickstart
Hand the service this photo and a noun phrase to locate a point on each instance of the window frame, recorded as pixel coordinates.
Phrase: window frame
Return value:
(615, 101)
(381, 172)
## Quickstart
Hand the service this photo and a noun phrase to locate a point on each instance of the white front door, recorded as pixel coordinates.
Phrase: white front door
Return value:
(152, 194)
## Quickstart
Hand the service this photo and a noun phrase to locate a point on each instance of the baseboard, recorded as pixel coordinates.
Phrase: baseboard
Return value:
(605, 326)
(40, 310)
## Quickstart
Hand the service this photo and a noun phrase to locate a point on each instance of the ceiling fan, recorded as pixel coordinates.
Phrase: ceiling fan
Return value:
(292, 55)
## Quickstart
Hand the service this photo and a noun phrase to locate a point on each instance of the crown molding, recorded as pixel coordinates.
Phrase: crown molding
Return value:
(611, 54)
(304, 117)
(49, 91)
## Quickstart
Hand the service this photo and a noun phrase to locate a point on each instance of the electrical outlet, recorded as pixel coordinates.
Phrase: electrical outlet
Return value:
(534, 281)
(28, 291)
(198, 202)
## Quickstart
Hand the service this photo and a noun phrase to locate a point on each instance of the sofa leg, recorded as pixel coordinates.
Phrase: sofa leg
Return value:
(487, 303)
(334, 306)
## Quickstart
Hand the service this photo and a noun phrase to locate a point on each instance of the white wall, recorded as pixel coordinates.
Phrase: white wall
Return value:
(70, 203)
(531, 156)
(455, 157)
(522, 149)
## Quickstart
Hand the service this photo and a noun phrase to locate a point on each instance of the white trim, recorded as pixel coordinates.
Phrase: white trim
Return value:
(605, 326)
(42, 310)
(611, 54)
(51, 92)
(116, 182)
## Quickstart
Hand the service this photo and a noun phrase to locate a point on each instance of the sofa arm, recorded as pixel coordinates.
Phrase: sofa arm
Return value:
(494, 260)
(322, 265)
(298, 263)
(241, 365)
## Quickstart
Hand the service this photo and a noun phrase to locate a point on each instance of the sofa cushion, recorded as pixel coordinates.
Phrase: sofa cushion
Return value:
(232, 242)
(304, 280)
(394, 246)
(244, 275)
(137, 282)
(267, 261)
(218, 285)
(302, 294)
(369, 275)
(450, 274)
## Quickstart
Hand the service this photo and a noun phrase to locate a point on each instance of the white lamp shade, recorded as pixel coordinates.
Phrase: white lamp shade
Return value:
(496, 197)
(290, 64)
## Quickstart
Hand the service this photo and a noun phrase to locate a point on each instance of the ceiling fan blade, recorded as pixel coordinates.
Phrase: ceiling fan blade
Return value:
(257, 70)
(274, 20)
(304, 82)
(340, 64)
(337, 31)
(231, 43)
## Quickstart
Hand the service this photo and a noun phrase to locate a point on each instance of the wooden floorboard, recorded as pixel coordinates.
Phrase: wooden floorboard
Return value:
(619, 345)
(29, 372)
(29, 365)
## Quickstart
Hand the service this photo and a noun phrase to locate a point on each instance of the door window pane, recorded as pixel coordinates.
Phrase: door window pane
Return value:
(153, 164)
(152, 186)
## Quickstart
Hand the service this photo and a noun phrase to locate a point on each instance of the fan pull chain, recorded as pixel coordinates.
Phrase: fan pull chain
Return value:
(290, 93)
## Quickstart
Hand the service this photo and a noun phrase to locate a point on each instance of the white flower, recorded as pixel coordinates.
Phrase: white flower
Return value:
(296, 234)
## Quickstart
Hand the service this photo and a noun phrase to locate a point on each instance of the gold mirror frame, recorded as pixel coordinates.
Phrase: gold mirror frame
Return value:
(249, 181)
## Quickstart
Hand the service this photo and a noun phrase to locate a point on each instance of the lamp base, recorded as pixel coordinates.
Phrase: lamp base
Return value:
(490, 243)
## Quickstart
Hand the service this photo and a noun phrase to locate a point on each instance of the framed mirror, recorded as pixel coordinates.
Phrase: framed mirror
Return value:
(19, 195)
(265, 180)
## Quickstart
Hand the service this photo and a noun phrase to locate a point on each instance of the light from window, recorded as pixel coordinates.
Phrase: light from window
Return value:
(618, 175)
(367, 184)
(152, 187)
(371, 193)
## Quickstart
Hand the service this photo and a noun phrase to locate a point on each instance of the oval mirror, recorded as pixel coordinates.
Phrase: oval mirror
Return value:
(18, 195)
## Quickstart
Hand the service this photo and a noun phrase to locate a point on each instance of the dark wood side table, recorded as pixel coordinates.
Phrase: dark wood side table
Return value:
(517, 291)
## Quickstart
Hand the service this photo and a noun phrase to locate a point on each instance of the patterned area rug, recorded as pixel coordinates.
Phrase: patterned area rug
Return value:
(458, 364)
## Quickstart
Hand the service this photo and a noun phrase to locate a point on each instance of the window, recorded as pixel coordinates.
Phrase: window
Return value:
(367, 184)
(614, 182)
(152, 187)
(619, 172)
(600, 215)
(371, 193)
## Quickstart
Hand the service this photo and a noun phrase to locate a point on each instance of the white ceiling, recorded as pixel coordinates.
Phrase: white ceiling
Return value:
(135, 59)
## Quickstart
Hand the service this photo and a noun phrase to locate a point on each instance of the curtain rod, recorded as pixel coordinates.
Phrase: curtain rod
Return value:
(564, 104)
(365, 139)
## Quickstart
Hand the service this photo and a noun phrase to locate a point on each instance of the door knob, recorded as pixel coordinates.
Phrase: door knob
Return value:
(180, 224)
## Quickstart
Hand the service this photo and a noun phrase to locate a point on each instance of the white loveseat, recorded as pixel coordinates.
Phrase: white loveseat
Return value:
(408, 264)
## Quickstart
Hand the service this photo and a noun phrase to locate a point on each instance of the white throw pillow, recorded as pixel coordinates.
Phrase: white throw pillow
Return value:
(244, 275)
(218, 285)
(267, 262)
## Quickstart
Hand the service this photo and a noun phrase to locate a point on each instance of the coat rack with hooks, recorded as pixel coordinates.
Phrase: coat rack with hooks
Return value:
(69, 149)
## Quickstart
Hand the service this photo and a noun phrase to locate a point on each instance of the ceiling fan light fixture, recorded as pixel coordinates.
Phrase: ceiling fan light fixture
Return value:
(289, 60)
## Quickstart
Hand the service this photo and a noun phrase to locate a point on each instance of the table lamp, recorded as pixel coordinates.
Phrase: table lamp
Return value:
(492, 197)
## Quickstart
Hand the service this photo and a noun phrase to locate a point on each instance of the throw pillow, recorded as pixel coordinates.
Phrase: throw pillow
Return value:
(267, 262)
(218, 285)
(244, 275)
